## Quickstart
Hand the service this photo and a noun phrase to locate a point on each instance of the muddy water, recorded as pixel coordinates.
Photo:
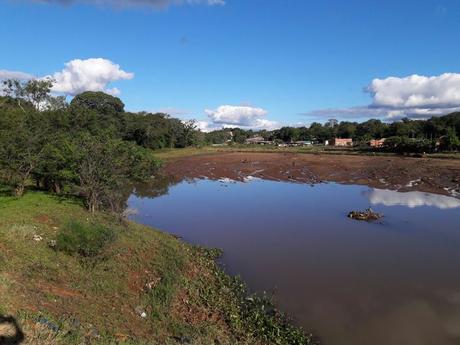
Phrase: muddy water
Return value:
(352, 283)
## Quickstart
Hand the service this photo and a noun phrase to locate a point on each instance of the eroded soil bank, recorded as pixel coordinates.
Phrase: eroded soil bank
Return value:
(397, 173)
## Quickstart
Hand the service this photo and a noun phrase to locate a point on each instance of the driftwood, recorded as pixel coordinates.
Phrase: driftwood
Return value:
(367, 215)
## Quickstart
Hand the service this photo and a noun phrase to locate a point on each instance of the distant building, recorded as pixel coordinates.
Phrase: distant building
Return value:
(301, 143)
(254, 140)
(258, 140)
(341, 142)
(377, 142)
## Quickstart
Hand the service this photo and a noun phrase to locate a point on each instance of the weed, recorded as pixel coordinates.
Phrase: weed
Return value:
(86, 240)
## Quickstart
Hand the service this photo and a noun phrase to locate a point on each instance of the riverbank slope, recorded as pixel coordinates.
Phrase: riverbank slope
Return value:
(137, 286)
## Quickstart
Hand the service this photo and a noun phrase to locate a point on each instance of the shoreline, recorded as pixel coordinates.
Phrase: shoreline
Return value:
(144, 287)
(440, 176)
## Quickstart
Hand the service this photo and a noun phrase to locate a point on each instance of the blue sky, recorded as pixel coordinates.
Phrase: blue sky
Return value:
(279, 61)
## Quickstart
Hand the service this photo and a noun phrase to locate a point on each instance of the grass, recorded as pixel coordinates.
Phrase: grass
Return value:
(86, 240)
(136, 286)
(170, 154)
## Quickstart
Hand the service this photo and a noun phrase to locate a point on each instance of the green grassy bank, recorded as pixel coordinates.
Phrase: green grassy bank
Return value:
(70, 277)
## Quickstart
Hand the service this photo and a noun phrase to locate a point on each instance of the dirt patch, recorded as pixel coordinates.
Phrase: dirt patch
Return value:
(60, 291)
(189, 312)
(440, 176)
(43, 219)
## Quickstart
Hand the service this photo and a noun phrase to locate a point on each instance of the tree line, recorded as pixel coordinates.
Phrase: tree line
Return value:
(437, 133)
(89, 147)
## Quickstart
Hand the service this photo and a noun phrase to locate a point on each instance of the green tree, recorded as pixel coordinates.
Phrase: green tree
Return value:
(346, 129)
(35, 91)
(21, 148)
(105, 165)
(450, 141)
(98, 101)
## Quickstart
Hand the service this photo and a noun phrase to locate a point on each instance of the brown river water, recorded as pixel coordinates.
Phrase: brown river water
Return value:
(391, 282)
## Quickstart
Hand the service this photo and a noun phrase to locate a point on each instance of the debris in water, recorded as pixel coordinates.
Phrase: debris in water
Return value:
(367, 215)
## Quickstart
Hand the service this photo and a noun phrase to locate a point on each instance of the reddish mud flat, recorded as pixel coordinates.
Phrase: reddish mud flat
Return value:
(397, 173)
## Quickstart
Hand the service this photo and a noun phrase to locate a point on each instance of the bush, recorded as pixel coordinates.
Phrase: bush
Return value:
(86, 240)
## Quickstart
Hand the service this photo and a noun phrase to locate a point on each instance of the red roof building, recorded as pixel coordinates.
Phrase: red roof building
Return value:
(377, 142)
(342, 142)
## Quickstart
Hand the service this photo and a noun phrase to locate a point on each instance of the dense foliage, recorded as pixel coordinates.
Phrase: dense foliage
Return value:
(90, 147)
(435, 134)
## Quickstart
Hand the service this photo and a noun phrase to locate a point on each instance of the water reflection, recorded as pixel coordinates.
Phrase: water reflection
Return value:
(411, 199)
(353, 283)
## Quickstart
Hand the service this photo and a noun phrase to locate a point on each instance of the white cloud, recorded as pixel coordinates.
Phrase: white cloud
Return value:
(247, 117)
(5, 74)
(236, 115)
(134, 3)
(206, 126)
(265, 124)
(417, 91)
(89, 75)
(414, 96)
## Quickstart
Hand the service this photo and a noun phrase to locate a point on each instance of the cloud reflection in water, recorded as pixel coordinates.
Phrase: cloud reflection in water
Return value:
(411, 199)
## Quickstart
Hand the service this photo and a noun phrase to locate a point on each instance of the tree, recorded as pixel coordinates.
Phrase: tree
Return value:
(346, 129)
(450, 141)
(189, 133)
(98, 101)
(35, 91)
(287, 134)
(21, 148)
(105, 165)
(320, 132)
(57, 166)
(371, 129)
(331, 123)
(220, 136)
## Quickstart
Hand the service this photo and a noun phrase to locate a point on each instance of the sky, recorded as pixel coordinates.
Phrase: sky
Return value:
(256, 64)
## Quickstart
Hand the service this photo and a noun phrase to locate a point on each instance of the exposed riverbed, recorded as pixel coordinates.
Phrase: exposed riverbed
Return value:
(440, 176)
(389, 282)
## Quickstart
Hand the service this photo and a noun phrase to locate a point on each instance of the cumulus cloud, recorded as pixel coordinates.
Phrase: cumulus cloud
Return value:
(206, 126)
(413, 96)
(88, 75)
(5, 74)
(417, 91)
(248, 117)
(79, 76)
(134, 3)
(236, 115)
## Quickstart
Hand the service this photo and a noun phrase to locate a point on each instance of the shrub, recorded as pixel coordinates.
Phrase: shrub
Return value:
(87, 240)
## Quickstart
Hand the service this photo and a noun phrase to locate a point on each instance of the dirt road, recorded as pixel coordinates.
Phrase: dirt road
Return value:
(397, 173)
